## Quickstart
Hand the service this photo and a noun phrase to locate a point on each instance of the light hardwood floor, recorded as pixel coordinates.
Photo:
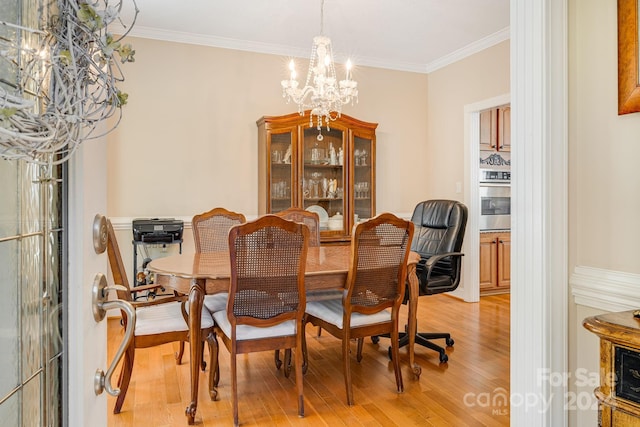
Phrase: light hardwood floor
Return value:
(470, 390)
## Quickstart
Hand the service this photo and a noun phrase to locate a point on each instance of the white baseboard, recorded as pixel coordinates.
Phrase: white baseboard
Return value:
(605, 290)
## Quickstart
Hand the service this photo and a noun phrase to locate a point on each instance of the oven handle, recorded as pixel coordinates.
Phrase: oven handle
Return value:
(495, 184)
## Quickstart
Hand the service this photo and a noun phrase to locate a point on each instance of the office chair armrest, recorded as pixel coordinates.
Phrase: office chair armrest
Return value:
(433, 260)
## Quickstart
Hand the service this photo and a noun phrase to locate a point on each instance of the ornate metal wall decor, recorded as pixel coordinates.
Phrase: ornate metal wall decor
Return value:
(495, 159)
(67, 72)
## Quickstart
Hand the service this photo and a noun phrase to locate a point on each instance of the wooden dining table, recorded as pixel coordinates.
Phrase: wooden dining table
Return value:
(209, 273)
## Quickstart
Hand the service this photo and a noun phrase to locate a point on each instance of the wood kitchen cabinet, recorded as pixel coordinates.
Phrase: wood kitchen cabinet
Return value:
(331, 172)
(495, 129)
(495, 262)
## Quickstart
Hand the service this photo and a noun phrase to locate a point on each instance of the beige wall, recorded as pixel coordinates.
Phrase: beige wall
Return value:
(474, 79)
(604, 177)
(188, 139)
(604, 147)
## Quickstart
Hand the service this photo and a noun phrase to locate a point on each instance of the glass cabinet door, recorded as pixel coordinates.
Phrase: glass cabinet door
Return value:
(323, 178)
(281, 176)
(363, 183)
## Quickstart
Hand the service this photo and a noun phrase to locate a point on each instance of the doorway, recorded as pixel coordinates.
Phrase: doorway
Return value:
(471, 290)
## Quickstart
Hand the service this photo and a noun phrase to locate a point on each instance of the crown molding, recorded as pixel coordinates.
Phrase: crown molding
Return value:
(274, 49)
(469, 50)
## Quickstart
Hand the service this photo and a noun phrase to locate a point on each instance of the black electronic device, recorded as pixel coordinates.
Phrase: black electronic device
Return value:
(151, 232)
(157, 230)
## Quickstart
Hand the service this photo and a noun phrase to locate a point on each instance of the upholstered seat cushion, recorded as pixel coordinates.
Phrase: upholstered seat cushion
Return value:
(246, 332)
(161, 318)
(216, 302)
(331, 311)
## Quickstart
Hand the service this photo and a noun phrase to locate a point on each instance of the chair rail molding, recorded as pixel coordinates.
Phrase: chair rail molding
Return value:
(605, 290)
(124, 222)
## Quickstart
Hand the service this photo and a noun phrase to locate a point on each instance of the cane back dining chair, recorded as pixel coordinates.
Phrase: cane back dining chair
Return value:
(160, 321)
(211, 234)
(312, 221)
(375, 289)
(211, 229)
(266, 301)
(308, 218)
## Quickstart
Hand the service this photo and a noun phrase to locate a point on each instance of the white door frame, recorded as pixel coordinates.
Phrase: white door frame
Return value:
(539, 230)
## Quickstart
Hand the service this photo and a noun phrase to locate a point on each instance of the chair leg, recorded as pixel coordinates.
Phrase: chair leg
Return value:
(276, 359)
(299, 380)
(234, 388)
(305, 356)
(215, 365)
(287, 362)
(359, 353)
(203, 363)
(319, 331)
(125, 378)
(346, 367)
(180, 353)
(211, 341)
(395, 352)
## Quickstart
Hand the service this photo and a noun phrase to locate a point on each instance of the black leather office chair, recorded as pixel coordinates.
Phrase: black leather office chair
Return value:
(439, 232)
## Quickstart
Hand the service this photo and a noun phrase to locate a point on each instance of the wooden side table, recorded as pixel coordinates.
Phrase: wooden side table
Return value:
(619, 391)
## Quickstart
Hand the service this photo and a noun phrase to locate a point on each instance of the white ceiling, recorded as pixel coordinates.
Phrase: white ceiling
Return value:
(409, 35)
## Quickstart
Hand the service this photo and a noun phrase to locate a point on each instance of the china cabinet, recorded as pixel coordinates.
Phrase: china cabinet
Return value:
(328, 171)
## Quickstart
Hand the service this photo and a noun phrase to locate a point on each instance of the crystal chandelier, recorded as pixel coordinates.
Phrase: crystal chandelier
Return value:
(322, 93)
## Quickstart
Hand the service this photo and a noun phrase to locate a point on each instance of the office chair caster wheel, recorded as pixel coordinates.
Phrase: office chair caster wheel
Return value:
(375, 339)
(450, 342)
(444, 358)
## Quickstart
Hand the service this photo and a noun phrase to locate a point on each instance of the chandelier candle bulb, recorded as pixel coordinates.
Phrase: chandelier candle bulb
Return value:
(292, 67)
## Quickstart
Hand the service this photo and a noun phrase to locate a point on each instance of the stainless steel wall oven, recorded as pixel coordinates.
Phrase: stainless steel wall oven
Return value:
(495, 200)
